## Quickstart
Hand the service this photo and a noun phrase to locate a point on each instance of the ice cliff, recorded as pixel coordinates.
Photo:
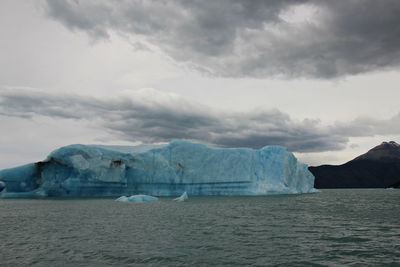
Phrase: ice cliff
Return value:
(180, 166)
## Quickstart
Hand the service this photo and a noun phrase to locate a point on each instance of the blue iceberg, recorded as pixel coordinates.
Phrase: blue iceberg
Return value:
(169, 170)
(137, 198)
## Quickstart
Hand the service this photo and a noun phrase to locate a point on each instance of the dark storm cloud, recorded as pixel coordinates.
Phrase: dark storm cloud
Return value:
(150, 116)
(252, 38)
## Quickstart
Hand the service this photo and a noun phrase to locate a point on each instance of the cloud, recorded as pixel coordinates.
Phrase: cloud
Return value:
(239, 38)
(366, 126)
(150, 116)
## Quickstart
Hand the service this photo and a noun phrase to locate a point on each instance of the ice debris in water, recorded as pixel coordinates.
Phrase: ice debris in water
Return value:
(168, 170)
(137, 198)
(182, 198)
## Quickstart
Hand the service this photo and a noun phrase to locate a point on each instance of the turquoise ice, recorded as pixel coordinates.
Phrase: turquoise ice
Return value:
(169, 170)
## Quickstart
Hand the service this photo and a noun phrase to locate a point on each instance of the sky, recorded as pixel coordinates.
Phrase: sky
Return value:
(318, 77)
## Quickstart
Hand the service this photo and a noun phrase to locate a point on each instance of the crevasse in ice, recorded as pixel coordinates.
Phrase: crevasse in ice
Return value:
(180, 166)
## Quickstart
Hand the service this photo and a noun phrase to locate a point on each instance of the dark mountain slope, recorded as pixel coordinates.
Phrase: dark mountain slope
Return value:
(378, 168)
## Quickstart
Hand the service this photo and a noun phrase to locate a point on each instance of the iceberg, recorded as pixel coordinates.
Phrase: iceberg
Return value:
(159, 170)
(137, 198)
(182, 198)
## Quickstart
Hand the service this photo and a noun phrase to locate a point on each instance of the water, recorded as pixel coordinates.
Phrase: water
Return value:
(333, 228)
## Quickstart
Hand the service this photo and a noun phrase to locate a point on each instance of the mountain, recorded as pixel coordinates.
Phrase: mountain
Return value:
(378, 168)
(385, 152)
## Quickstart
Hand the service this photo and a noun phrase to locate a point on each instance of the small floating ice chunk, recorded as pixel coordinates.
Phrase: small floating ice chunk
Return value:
(122, 199)
(389, 188)
(182, 198)
(137, 198)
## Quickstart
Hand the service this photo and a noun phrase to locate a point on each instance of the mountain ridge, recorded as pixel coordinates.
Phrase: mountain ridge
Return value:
(377, 168)
(386, 151)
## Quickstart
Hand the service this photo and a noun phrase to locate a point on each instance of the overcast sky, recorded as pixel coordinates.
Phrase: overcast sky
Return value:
(318, 77)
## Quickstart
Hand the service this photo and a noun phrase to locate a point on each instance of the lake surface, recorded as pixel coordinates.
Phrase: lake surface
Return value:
(331, 228)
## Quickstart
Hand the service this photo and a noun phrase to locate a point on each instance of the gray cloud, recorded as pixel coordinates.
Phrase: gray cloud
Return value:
(237, 38)
(366, 126)
(150, 116)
